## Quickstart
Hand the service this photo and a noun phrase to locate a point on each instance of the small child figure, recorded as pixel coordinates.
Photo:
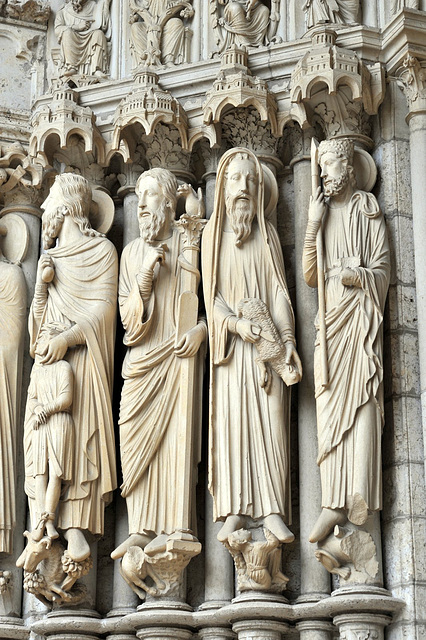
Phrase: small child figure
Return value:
(50, 397)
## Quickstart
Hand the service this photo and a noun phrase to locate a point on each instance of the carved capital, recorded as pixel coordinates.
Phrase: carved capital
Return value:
(191, 227)
(236, 86)
(412, 81)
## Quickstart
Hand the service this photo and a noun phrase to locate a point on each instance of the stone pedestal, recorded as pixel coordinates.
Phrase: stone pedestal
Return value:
(315, 630)
(164, 633)
(353, 626)
(259, 629)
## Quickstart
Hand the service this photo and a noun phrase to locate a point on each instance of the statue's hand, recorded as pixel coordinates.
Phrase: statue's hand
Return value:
(317, 207)
(190, 343)
(350, 278)
(55, 350)
(292, 359)
(154, 255)
(44, 268)
(41, 416)
(248, 331)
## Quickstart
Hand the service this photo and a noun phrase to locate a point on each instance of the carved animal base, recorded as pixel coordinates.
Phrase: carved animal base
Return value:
(162, 562)
(258, 562)
(350, 553)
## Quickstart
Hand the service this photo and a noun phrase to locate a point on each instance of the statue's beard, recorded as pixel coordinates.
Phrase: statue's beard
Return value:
(51, 225)
(335, 186)
(240, 213)
(151, 225)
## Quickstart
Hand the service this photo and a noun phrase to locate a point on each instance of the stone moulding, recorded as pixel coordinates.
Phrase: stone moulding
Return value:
(148, 105)
(235, 86)
(63, 117)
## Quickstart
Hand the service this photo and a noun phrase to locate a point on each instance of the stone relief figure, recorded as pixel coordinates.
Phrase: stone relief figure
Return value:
(335, 11)
(153, 417)
(50, 396)
(83, 30)
(353, 247)
(158, 31)
(248, 305)
(244, 23)
(72, 325)
(13, 296)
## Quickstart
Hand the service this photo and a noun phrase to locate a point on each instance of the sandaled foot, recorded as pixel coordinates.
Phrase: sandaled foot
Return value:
(326, 523)
(78, 547)
(231, 524)
(135, 540)
(275, 524)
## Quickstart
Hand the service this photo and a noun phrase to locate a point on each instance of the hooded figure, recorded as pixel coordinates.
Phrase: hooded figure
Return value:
(249, 420)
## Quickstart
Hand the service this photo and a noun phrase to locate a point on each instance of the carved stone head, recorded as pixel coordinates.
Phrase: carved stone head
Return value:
(71, 195)
(241, 192)
(157, 197)
(336, 160)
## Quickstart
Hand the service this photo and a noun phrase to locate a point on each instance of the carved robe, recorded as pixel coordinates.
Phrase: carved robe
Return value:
(350, 409)
(337, 11)
(249, 428)
(82, 48)
(149, 411)
(13, 295)
(52, 385)
(242, 30)
(168, 41)
(83, 295)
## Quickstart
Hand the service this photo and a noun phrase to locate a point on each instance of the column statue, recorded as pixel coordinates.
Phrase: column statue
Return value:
(68, 433)
(83, 30)
(253, 359)
(13, 307)
(152, 417)
(356, 277)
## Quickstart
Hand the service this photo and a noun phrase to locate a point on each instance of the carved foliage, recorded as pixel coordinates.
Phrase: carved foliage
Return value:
(243, 128)
(164, 148)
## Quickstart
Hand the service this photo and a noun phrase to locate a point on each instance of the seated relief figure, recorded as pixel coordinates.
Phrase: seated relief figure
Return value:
(154, 416)
(334, 11)
(13, 297)
(247, 23)
(83, 30)
(253, 362)
(349, 394)
(158, 32)
(68, 433)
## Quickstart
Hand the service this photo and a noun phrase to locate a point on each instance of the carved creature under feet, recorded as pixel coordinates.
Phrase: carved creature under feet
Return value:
(258, 562)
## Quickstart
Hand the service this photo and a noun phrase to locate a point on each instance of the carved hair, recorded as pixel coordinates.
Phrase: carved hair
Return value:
(166, 180)
(343, 148)
(76, 197)
(240, 155)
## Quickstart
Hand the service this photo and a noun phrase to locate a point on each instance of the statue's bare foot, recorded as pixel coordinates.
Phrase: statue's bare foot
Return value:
(326, 523)
(78, 547)
(51, 530)
(135, 540)
(276, 525)
(232, 523)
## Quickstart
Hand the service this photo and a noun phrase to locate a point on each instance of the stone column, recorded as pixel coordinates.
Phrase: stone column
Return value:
(315, 581)
(130, 213)
(315, 630)
(21, 201)
(260, 629)
(353, 626)
(164, 633)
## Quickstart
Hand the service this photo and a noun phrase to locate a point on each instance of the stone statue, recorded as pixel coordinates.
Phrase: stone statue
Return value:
(253, 354)
(397, 5)
(13, 297)
(353, 247)
(245, 23)
(334, 11)
(69, 398)
(83, 31)
(152, 415)
(158, 32)
(50, 397)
